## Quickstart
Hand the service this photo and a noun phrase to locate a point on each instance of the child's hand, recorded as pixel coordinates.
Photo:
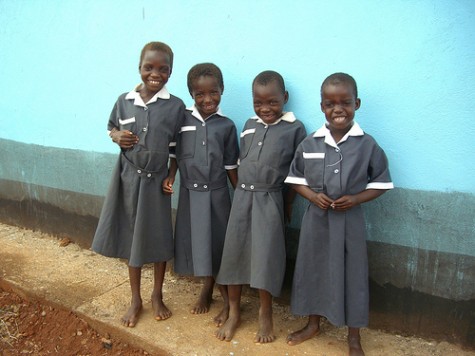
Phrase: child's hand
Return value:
(125, 138)
(321, 200)
(167, 185)
(345, 202)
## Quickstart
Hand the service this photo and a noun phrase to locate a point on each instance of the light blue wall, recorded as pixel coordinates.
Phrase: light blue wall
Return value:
(63, 63)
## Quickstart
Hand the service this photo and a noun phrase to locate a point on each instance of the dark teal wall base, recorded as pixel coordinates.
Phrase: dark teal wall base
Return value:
(49, 219)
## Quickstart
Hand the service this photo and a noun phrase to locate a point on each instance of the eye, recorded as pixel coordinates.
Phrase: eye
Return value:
(164, 70)
(328, 105)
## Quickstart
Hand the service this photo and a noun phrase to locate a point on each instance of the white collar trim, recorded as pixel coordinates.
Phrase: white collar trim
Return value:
(325, 132)
(288, 116)
(196, 113)
(138, 101)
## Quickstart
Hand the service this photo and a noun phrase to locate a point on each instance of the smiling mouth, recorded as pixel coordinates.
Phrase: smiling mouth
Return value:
(154, 82)
(339, 119)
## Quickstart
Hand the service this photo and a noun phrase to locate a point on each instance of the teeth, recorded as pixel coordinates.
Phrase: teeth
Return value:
(339, 119)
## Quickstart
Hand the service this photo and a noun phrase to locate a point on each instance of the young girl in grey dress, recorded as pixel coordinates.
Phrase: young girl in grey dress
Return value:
(207, 152)
(336, 169)
(254, 248)
(135, 222)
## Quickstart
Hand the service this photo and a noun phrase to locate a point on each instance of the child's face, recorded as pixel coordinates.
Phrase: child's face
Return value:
(155, 70)
(339, 105)
(269, 101)
(207, 95)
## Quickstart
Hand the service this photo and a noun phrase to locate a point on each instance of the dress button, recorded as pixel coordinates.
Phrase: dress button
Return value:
(149, 175)
(145, 108)
(243, 186)
(195, 185)
(259, 143)
(204, 143)
(144, 129)
(336, 171)
(337, 150)
(203, 124)
(252, 187)
(205, 186)
(139, 171)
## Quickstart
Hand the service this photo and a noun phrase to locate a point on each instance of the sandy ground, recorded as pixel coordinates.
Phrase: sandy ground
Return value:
(55, 276)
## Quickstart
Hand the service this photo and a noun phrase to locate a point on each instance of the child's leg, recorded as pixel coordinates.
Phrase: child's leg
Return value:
(161, 312)
(130, 318)
(266, 324)
(226, 332)
(310, 330)
(205, 298)
(354, 342)
(224, 313)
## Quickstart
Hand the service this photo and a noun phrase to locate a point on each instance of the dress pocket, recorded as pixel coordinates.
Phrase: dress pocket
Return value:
(246, 141)
(314, 169)
(127, 124)
(186, 142)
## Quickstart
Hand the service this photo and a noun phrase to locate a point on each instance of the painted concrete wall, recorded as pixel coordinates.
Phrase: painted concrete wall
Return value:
(63, 64)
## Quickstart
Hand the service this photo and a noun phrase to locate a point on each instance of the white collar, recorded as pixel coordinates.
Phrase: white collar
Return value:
(288, 116)
(325, 132)
(196, 113)
(138, 101)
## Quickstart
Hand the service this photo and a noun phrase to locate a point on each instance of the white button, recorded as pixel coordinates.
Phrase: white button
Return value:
(144, 129)
(337, 150)
(205, 186)
(145, 108)
(139, 171)
(195, 185)
(204, 143)
(203, 124)
(149, 175)
(252, 187)
(243, 186)
(259, 143)
(336, 171)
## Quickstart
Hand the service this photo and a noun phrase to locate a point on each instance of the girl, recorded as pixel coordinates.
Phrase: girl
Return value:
(337, 169)
(135, 222)
(207, 154)
(254, 248)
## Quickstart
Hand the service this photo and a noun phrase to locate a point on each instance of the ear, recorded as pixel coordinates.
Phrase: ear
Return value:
(222, 90)
(357, 103)
(286, 97)
(321, 107)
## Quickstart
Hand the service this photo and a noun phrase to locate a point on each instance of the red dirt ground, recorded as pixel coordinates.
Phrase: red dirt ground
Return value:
(32, 328)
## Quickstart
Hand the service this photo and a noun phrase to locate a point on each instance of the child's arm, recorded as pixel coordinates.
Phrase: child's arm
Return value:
(319, 199)
(349, 201)
(167, 184)
(289, 197)
(124, 138)
(233, 176)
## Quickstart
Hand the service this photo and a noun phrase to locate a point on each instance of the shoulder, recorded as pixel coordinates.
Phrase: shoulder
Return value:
(176, 100)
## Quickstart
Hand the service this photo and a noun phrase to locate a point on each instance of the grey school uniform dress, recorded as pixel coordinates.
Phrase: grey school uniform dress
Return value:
(331, 271)
(135, 222)
(254, 249)
(205, 150)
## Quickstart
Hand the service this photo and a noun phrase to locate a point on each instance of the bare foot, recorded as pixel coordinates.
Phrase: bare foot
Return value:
(226, 332)
(130, 318)
(355, 348)
(160, 310)
(202, 305)
(303, 334)
(221, 318)
(266, 328)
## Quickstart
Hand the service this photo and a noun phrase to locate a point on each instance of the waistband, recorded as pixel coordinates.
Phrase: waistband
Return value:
(203, 186)
(259, 187)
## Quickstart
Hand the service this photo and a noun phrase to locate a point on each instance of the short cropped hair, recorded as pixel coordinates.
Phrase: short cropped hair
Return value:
(269, 76)
(340, 78)
(204, 70)
(157, 46)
